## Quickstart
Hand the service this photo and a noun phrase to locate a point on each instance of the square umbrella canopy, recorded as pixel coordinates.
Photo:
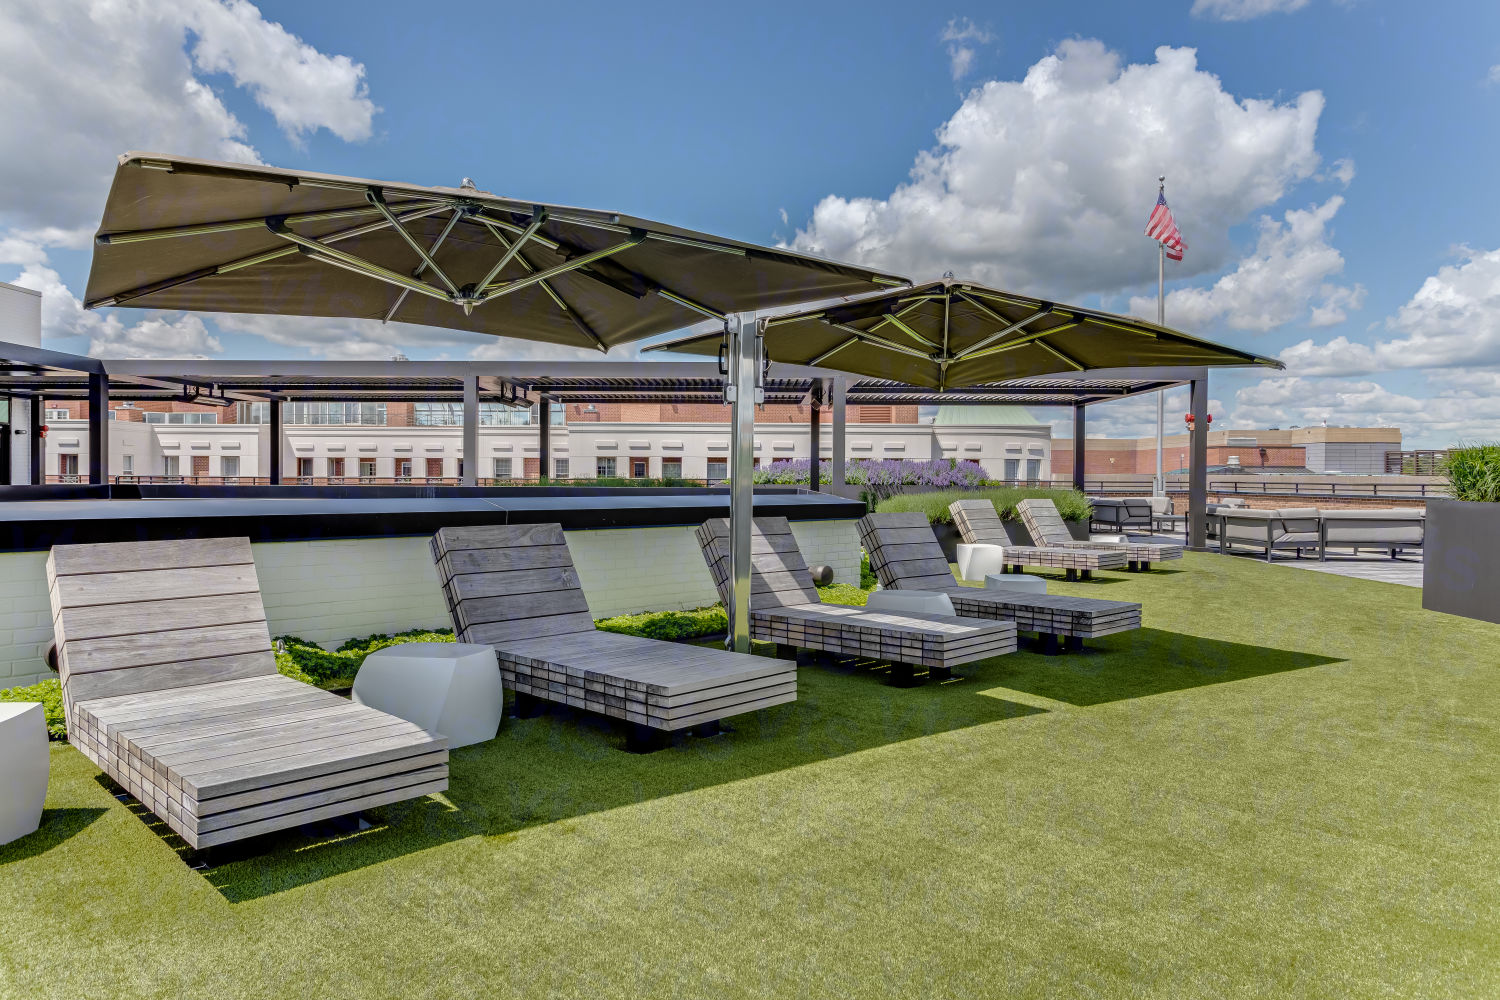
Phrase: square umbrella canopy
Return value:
(952, 333)
(222, 237)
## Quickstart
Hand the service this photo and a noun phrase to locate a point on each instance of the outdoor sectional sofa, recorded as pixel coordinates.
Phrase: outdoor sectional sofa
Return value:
(1310, 529)
(170, 686)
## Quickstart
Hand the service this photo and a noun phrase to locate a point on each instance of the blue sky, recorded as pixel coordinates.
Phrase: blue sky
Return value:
(1043, 127)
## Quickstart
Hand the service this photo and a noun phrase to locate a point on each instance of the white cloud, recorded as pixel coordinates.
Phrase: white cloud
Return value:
(1044, 185)
(82, 81)
(1494, 74)
(1244, 10)
(1341, 170)
(303, 89)
(1288, 273)
(1450, 411)
(962, 35)
(1453, 320)
(343, 339)
(1136, 416)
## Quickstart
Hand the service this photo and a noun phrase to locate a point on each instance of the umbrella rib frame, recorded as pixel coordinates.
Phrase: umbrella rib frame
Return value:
(452, 221)
(514, 250)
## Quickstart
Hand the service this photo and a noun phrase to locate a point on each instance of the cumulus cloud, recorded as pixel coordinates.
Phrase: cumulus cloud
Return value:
(82, 82)
(1452, 410)
(961, 35)
(343, 339)
(1044, 184)
(1244, 10)
(1285, 279)
(1494, 74)
(1453, 320)
(1341, 170)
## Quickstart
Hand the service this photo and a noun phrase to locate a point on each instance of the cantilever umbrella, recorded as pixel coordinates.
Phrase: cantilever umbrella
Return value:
(223, 237)
(957, 333)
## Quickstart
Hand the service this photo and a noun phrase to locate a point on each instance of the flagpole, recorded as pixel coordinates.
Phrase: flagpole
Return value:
(1161, 320)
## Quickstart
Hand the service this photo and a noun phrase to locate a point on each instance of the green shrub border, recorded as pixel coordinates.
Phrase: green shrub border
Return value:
(49, 693)
(1072, 505)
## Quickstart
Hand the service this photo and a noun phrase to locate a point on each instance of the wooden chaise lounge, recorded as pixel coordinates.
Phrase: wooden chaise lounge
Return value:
(514, 587)
(785, 609)
(906, 556)
(1049, 531)
(979, 524)
(170, 685)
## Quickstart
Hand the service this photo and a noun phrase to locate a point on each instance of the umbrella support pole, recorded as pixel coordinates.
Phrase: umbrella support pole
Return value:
(742, 391)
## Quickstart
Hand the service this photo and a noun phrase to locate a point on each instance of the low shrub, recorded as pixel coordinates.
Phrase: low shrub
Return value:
(312, 664)
(880, 477)
(1071, 504)
(669, 624)
(845, 593)
(867, 577)
(1473, 472)
(49, 693)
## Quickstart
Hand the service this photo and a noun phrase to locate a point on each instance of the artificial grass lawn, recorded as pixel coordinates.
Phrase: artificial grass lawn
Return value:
(1284, 787)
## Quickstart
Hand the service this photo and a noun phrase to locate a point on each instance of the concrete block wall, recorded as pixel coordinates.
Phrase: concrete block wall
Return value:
(329, 591)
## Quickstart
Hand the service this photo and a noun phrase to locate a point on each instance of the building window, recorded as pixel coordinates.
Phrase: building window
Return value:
(560, 467)
(369, 414)
(671, 468)
(403, 468)
(1012, 469)
(229, 466)
(367, 468)
(170, 465)
(158, 417)
(67, 465)
(1033, 469)
(434, 468)
(490, 415)
(127, 465)
(638, 468)
(502, 468)
(718, 468)
(604, 468)
(335, 468)
(304, 468)
(57, 414)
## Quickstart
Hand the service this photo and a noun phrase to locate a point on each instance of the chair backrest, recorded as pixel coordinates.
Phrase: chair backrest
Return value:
(903, 551)
(132, 617)
(1044, 522)
(978, 522)
(779, 576)
(506, 582)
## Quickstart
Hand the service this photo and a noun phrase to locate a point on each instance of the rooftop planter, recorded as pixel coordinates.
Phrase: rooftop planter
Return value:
(1461, 565)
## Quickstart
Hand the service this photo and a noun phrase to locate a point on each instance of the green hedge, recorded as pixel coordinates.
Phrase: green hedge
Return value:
(1473, 472)
(1071, 504)
(669, 624)
(49, 693)
(310, 663)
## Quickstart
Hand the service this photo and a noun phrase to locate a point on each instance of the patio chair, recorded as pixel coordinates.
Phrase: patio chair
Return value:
(1048, 530)
(905, 555)
(170, 686)
(785, 609)
(980, 525)
(514, 587)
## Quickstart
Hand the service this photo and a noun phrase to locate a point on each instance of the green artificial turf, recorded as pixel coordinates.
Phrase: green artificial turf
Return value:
(1284, 786)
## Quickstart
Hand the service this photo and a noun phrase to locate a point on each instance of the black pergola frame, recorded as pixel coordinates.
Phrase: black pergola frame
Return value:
(41, 374)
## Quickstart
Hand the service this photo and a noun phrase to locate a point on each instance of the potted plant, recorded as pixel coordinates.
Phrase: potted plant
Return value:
(1461, 561)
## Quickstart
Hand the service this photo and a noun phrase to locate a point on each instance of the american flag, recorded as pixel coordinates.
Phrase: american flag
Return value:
(1162, 228)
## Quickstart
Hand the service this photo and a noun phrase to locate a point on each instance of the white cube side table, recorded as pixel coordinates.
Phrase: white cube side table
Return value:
(23, 768)
(975, 562)
(1016, 581)
(922, 602)
(450, 688)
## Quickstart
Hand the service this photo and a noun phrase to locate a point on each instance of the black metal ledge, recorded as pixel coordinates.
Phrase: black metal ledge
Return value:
(38, 525)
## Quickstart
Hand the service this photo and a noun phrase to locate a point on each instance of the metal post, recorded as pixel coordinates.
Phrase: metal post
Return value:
(38, 456)
(840, 450)
(814, 441)
(1161, 320)
(744, 367)
(1079, 448)
(1197, 514)
(273, 405)
(98, 428)
(544, 438)
(470, 458)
